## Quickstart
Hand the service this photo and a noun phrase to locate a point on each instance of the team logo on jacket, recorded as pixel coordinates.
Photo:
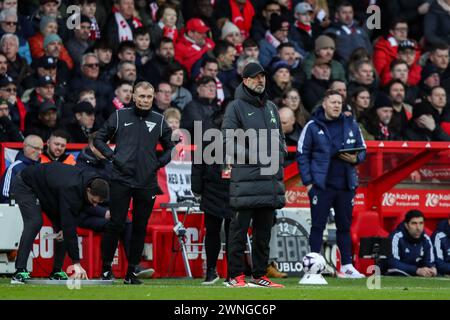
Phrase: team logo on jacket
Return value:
(315, 200)
(272, 119)
(321, 132)
(350, 134)
(150, 125)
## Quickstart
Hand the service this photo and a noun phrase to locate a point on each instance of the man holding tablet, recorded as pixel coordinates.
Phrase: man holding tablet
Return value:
(329, 148)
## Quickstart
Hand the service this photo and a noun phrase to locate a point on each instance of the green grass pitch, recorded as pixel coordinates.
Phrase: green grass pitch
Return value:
(392, 288)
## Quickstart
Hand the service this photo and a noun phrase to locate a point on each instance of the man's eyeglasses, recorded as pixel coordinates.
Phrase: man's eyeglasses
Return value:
(10, 90)
(92, 65)
(35, 147)
(165, 91)
(10, 23)
(4, 109)
(209, 86)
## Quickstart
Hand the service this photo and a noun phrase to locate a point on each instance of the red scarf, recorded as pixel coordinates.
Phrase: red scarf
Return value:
(384, 130)
(22, 113)
(242, 19)
(117, 103)
(171, 33)
(305, 27)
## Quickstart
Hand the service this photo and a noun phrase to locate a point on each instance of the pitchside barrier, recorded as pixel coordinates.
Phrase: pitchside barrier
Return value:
(396, 177)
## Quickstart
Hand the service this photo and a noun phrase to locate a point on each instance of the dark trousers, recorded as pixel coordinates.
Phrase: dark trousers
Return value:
(121, 196)
(321, 202)
(98, 224)
(262, 221)
(213, 242)
(31, 212)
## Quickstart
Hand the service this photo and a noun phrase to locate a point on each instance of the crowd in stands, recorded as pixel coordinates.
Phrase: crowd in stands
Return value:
(70, 69)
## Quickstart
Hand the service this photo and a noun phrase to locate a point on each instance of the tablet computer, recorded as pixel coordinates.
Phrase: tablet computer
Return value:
(352, 150)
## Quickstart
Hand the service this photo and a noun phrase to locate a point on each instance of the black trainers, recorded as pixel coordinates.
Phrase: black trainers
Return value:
(107, 275)
(131, 278)
(20, 276)
(58, 275)
(211, 277)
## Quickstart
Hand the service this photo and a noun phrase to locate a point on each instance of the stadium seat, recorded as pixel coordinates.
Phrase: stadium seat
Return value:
(365, 224)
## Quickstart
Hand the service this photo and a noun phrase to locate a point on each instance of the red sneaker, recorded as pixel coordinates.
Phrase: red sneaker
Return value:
(264, 282)
(237, 282)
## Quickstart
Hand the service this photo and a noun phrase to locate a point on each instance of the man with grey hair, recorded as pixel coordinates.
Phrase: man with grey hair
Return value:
(137, 132)
(9, 24)
(18, 67)
(255, 192)
(25, 25)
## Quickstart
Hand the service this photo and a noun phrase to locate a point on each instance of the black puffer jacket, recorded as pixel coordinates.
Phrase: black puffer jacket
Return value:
(249, 188)
(136, 138)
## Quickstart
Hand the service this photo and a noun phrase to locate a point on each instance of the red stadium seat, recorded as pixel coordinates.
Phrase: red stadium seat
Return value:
(365, 224)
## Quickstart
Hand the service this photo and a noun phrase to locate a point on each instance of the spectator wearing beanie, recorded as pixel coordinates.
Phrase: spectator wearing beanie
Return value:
(378, 121)
(324, 48)
(232, 34)
(429, 78)
(277, 34)
(48, 30)
(280, 80)
(239, 12)
(50, 8)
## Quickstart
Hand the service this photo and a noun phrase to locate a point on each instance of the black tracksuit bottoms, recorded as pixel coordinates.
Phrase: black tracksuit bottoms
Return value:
(31, 212)
(213, 242)
(262, 221)
(120, 197)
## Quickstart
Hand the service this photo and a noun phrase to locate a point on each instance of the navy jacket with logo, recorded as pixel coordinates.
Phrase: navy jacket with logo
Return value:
(441, 242)
(409, 254)
(314, 151)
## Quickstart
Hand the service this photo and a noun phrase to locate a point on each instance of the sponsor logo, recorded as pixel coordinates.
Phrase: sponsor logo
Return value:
(437, 200)
(400, 199)
(435, 173)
